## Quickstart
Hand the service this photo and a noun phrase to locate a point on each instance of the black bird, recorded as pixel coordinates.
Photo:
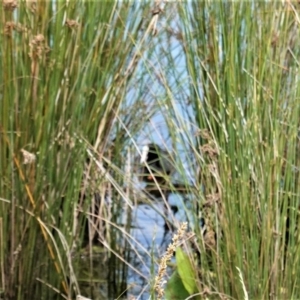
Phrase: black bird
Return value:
(156, 164)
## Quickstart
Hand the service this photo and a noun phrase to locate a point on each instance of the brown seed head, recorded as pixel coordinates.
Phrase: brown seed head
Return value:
(10, 5)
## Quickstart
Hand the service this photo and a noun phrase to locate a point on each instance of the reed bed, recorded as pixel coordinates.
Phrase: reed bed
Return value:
(83, 83)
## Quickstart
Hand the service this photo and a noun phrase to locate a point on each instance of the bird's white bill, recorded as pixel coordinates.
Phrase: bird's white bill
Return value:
(145, 152)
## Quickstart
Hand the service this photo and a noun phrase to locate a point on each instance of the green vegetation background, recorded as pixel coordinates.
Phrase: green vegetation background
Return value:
(82, 79)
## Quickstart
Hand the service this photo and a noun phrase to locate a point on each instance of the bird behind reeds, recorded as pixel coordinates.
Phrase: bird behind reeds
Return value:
(157, 164)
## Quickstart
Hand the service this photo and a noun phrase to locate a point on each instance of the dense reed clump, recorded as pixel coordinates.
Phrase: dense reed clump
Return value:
(66, 71)
(236, 105)
(82, 83)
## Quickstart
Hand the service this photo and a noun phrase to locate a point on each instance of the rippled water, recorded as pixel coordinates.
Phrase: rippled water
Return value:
(148, 242)
(149, 231)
